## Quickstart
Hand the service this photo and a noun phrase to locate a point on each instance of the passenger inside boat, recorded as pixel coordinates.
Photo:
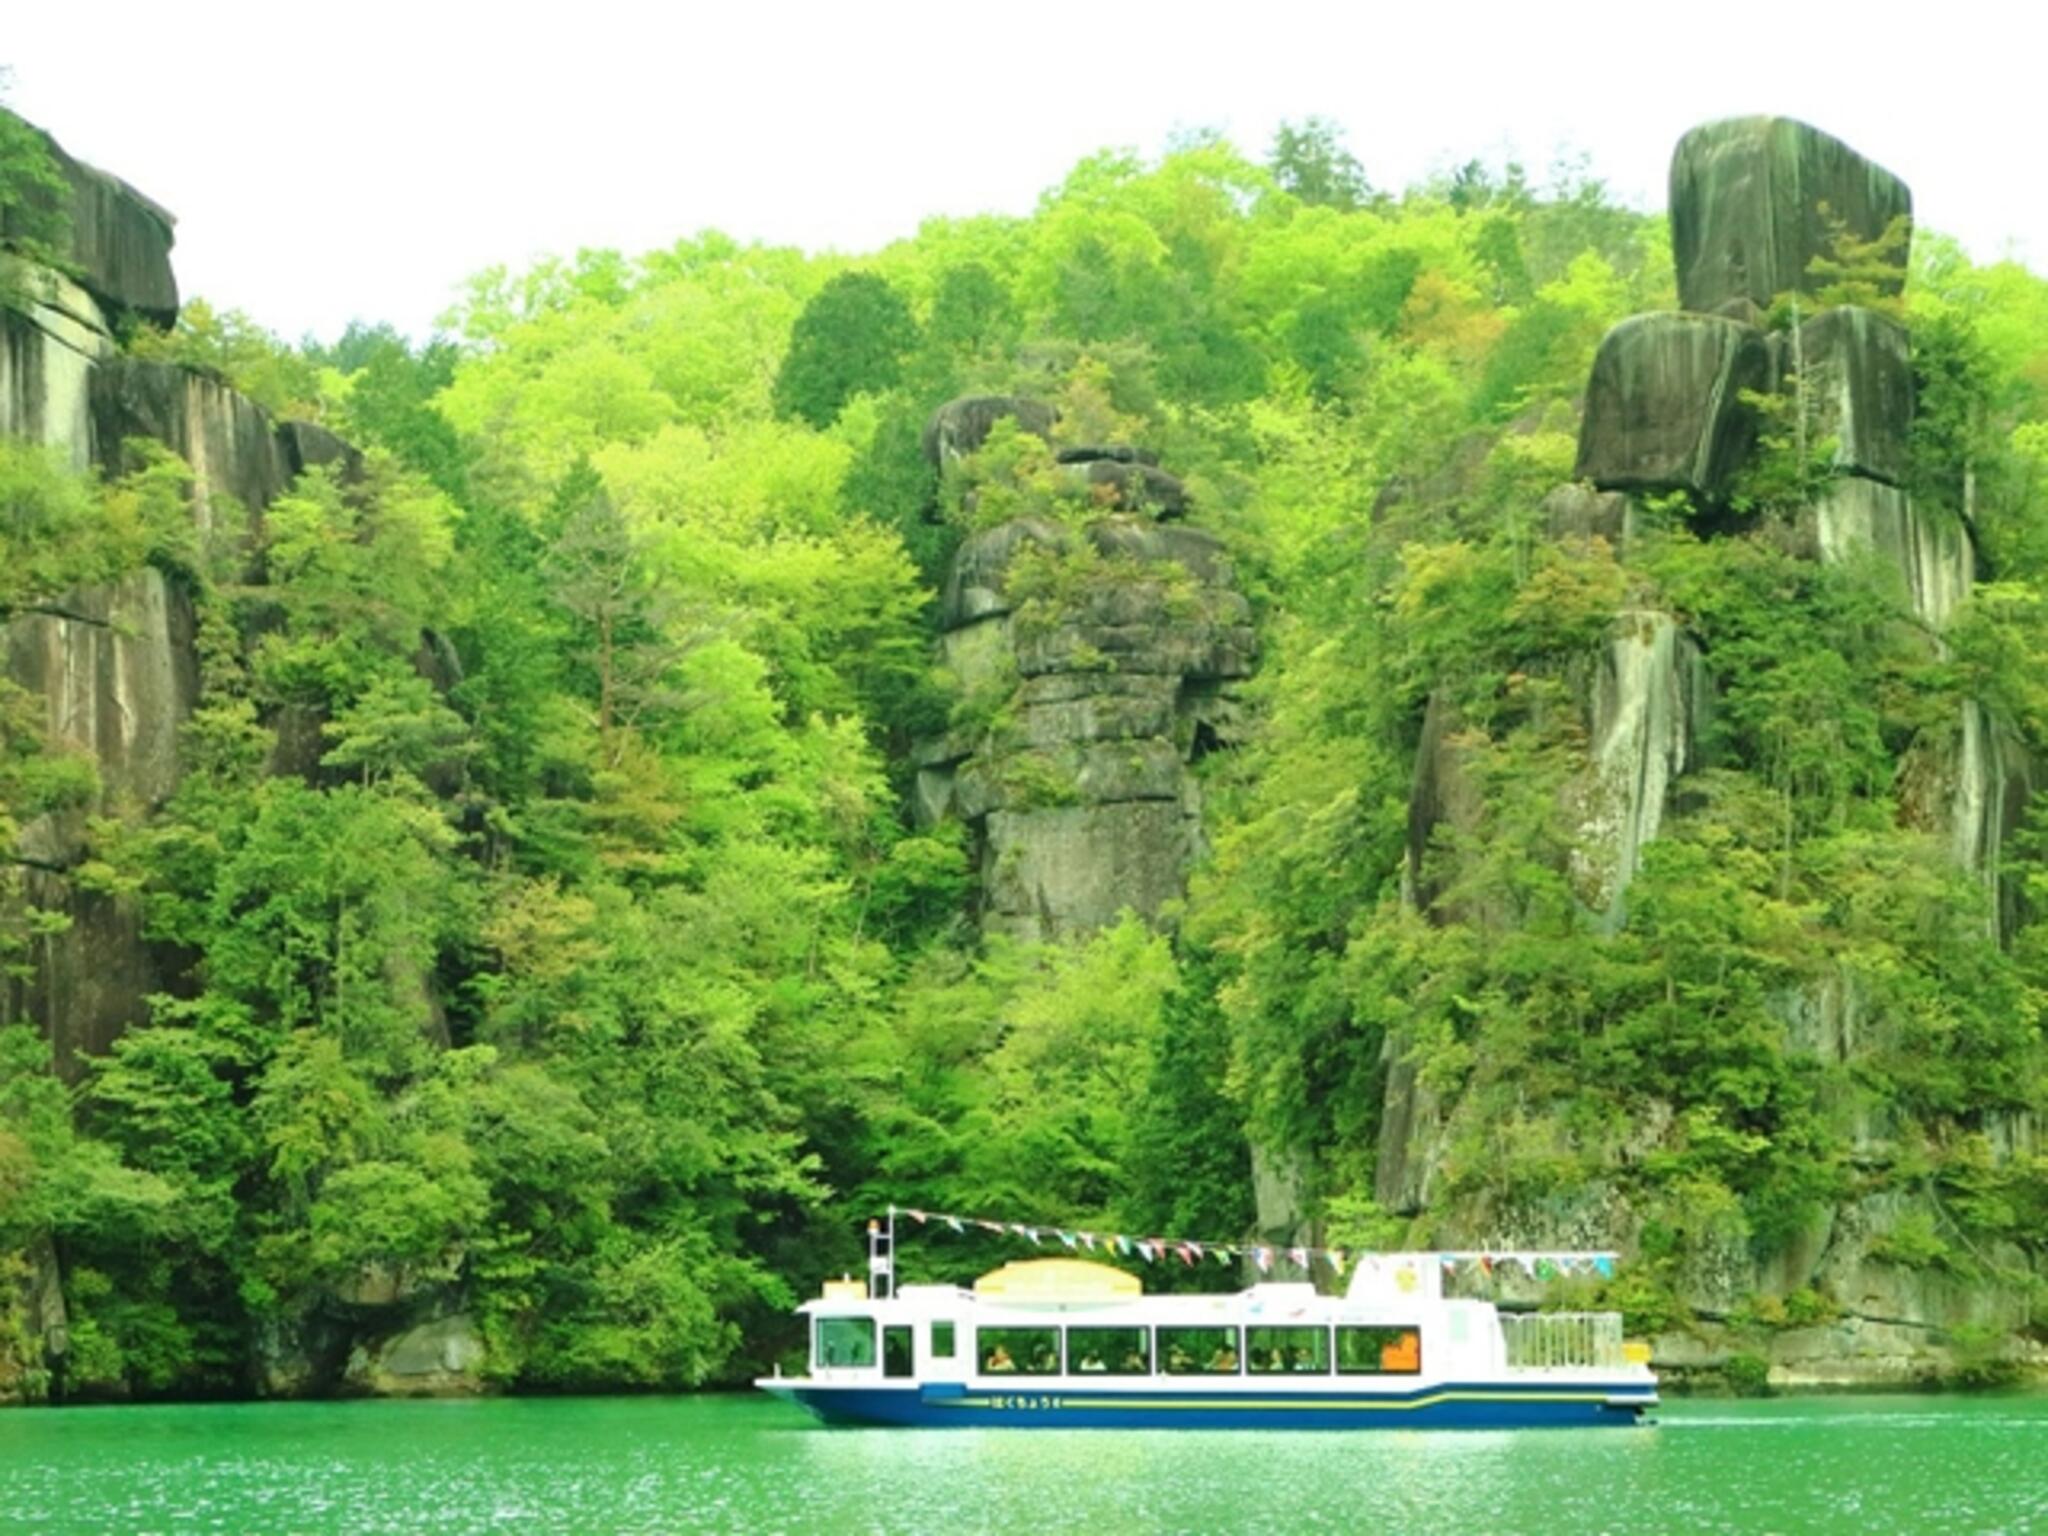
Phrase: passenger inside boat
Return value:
(1274, 1351)
(1023, 1351)
(1199, 1351)
(1109, 1351)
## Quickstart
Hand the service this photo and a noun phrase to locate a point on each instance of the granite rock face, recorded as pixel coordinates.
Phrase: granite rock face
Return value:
(959, 427)
(119, 241)
(118, 677)
(49, 348)
(1751, 203)
(1096, 696)
(35, 1333)
(1930, 559)
(230, 442)
(1853, 369)
(1664, 408)
(442, 1357)
(977, 582)
(114, 667)
(1443, 794)
(1647, 719)
(1125, 485)
(1576, 512)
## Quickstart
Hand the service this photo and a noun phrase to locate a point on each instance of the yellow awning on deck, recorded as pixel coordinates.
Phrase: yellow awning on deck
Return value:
(1057, 1282)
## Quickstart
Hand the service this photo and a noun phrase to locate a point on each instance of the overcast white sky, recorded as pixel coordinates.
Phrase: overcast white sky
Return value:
(331, 161)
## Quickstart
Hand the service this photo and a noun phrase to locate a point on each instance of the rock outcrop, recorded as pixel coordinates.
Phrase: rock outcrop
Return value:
(117, 674)
(49, 348)
(1853, 368)
(1648, 717)
(1754, 204)
(1125, 479)
(1664, 407)
(34, 1323)
(1755, 199)
(114, 667)
(959, 427)
(117, 241)
(1090, 691)
(230, 442)
(442, 1357)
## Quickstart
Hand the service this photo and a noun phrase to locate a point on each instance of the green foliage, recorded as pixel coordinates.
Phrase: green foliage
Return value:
(1981, 1359)
(35, 211)
(1747, 1375)
(1793, 461)
(849, 340)
(1310, 161)
(1863, 272)
(234, 349)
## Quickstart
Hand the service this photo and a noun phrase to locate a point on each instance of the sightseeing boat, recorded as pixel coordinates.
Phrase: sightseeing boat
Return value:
(1070, 1342)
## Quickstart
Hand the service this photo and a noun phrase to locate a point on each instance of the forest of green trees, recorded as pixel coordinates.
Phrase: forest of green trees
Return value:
(597, 972)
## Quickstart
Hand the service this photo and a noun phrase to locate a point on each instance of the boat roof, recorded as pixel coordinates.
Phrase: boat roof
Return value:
(1403, 1278)
(1058, 1282)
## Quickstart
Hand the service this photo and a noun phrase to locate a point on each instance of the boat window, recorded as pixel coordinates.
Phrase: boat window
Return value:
(1279, 1351)
(1109, 1352)
(845, 1341)
(1198, 1351)
(1379, 1351)
(1019, 1351)
(942, 1341)
(898, 1354)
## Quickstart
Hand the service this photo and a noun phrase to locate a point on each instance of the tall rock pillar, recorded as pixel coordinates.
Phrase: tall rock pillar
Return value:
(1098, 654)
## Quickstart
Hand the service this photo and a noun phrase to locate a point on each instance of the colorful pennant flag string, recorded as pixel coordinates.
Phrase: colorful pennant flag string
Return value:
(1539, 1265)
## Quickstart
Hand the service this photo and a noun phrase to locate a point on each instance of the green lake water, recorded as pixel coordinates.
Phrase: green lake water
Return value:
(1937, 1464)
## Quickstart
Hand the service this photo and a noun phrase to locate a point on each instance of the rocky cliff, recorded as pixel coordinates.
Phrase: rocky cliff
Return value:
(114, 674)
(1100, 654)
(1675, 408)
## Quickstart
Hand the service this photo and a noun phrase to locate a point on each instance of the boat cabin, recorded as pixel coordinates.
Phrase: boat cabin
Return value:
(1070, 1318)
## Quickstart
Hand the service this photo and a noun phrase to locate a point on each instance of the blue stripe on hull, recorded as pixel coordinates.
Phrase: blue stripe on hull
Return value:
(1446, 1407)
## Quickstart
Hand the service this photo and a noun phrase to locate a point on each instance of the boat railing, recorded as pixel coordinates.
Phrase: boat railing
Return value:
(1542, 1340)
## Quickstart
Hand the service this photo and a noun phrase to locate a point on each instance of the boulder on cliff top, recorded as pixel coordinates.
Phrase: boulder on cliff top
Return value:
(119, 241)
(1664, 409)
(1754, 201)
(959, 427)
(1856, 374)
(1128, 485)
